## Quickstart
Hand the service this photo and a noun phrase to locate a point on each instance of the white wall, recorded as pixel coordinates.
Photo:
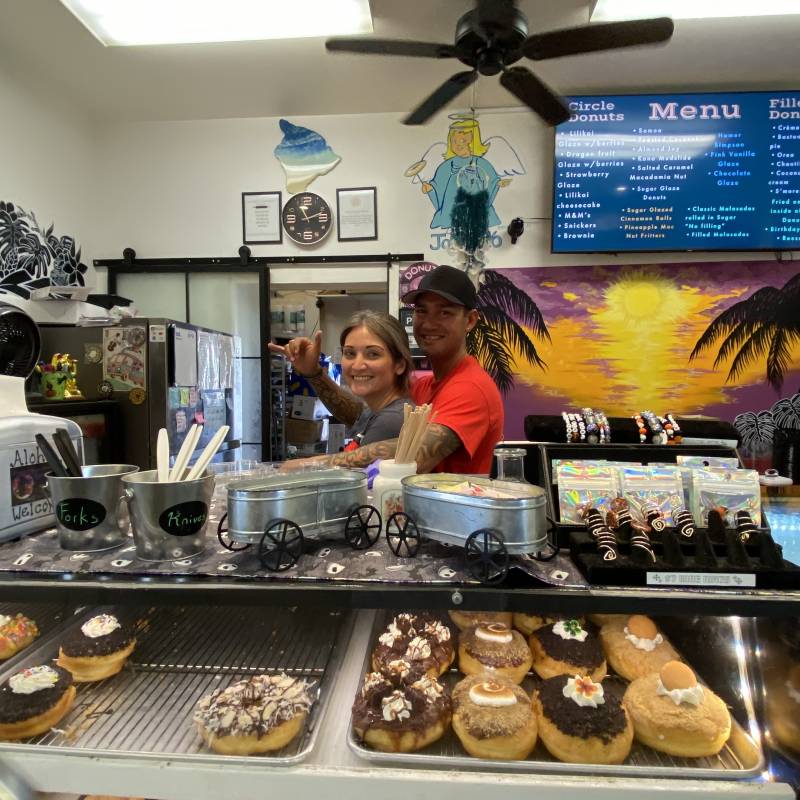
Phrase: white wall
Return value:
(174, 188)
(48, 159)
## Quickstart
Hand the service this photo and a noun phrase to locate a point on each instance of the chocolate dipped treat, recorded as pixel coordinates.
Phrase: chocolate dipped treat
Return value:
(98, 648)
(493, 718)
(34, 700)
(567, 648)
(256, 715)
(494, 649)
(581, 722)
(416, 639)
(396, 717)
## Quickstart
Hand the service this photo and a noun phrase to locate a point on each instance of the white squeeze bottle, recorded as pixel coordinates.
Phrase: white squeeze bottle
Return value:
(387, 490)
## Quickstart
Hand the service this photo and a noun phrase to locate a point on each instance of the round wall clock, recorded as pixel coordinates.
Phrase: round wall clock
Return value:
(307, 218)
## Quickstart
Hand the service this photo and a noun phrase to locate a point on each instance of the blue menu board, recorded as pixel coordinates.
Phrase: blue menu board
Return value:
(701, 171)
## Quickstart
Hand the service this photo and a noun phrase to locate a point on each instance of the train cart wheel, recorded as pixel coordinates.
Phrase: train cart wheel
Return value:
(402, 535)
(225, 540)
(281, 545)
(485, 556)
(363, 527)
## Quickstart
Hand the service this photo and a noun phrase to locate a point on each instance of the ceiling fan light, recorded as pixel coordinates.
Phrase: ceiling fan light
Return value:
(147, 22)
(617, 10)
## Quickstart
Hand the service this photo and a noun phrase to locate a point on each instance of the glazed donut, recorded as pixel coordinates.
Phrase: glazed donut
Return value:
(526, 624)
(783, 709)
(672, 713)
(493, 718)
(567, 648)
(34, 700)
(98, 649)
(15, 633)
(416, 639)
(494, 649)
(581, 721)
(634, 647)
(464, 620)
(397, 717)
(256, 715)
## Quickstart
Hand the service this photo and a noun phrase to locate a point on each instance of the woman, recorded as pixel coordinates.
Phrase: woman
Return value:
(377, 366)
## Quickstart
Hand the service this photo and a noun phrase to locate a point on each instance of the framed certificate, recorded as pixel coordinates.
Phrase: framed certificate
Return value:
(261, 218)
(357, 214)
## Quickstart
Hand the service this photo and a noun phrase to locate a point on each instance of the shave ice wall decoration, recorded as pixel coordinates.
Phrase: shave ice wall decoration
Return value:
(32, 258)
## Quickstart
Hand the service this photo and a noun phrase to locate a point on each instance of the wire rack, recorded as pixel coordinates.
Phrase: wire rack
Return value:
(183, 654)
(740, 758)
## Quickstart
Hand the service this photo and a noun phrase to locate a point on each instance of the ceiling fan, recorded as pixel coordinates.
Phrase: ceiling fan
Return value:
(492, 37)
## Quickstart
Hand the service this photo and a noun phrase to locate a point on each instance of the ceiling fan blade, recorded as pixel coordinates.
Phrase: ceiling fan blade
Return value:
(451, 88)
(524, 85)
(391, 47)
(604, 36)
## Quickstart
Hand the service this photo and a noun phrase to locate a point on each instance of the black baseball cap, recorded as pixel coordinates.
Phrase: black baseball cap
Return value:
(448, 282)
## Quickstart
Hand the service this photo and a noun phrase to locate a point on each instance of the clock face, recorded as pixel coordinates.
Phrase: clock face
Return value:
(307, 218)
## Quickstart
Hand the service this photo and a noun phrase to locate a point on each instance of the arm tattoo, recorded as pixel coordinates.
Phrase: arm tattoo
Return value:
(364, 455)
(338, 401)
(438, 443)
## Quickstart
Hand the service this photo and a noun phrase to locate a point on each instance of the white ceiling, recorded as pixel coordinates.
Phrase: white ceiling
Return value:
(42, 41)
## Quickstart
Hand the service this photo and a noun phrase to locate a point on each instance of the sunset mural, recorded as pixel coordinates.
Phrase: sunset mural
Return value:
(621, 337)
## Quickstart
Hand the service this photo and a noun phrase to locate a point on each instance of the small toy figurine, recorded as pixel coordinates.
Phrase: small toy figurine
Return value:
(65, 363)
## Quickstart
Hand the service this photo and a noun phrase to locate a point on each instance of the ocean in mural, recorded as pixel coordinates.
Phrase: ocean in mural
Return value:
(621, 338)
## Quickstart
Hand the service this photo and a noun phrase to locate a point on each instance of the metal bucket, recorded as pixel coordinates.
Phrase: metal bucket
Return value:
(90, 514)
(169, 519)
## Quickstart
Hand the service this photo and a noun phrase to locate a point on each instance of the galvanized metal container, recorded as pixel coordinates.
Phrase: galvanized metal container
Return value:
(319, 502)
(520, 521)
(90, 514)
(168, 519)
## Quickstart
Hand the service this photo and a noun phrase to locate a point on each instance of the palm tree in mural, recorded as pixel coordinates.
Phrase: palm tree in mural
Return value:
(765, 324)
(504, 309)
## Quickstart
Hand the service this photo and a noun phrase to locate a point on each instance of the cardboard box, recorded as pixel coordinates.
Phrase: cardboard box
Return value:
(335, 438)
(303, 431)
(309, 408)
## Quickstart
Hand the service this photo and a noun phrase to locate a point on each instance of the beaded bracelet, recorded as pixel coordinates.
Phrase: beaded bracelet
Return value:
(604, 427)
(576, 427)
(592, 426)
(640, 424)
(676, 436)
(658, 435)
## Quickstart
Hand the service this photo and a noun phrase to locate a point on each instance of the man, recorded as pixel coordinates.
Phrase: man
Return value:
(467, 408)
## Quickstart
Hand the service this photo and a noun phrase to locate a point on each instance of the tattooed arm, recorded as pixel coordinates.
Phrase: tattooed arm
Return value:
(338, 401)
(362, 457)
(438, 443)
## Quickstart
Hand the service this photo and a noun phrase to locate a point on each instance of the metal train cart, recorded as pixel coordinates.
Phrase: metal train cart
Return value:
(279, 511)
(500, 519)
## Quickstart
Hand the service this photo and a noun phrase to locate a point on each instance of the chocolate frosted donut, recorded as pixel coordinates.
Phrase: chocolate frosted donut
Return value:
(396, 717)
(567, 647)
(33, 700)
(97, 649)
(494, 649)
(417, 639)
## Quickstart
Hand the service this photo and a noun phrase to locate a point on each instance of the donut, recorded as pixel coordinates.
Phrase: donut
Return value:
(257, 715)
(526, 624)
(567, 648)
(581, 721)
(464, 620)
(416, 639)
(495, 649)
(493, 718)
(34, 700)
(393, 716)
(15, 633)
(783, 709)
(634, 647)
(673, 714)
(98, 649)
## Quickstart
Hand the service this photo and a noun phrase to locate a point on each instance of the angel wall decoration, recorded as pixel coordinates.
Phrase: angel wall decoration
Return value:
(461, 178)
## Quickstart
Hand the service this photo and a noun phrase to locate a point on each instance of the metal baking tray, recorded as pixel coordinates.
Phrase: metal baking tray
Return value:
(742, 757)
(47, 616)
(182, 654)
(450, 518)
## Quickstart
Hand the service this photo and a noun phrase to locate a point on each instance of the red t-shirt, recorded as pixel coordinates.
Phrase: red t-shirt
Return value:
(466, 401)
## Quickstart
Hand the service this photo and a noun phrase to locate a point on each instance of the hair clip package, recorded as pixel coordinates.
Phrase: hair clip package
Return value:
(734, 490)
(701, 462)
(580, 487)
(652, 488)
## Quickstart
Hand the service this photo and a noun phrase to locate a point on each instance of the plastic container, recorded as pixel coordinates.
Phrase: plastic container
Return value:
(510, 464)
(387, 489)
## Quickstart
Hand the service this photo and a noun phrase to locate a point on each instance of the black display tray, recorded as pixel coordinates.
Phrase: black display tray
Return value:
(759, 566)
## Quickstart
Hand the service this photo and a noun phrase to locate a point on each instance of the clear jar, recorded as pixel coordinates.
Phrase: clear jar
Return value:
(510, 464)
(387, 490)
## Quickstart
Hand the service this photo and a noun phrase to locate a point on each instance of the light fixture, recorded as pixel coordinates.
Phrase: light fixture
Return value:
(607, 10)
(148, 22)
